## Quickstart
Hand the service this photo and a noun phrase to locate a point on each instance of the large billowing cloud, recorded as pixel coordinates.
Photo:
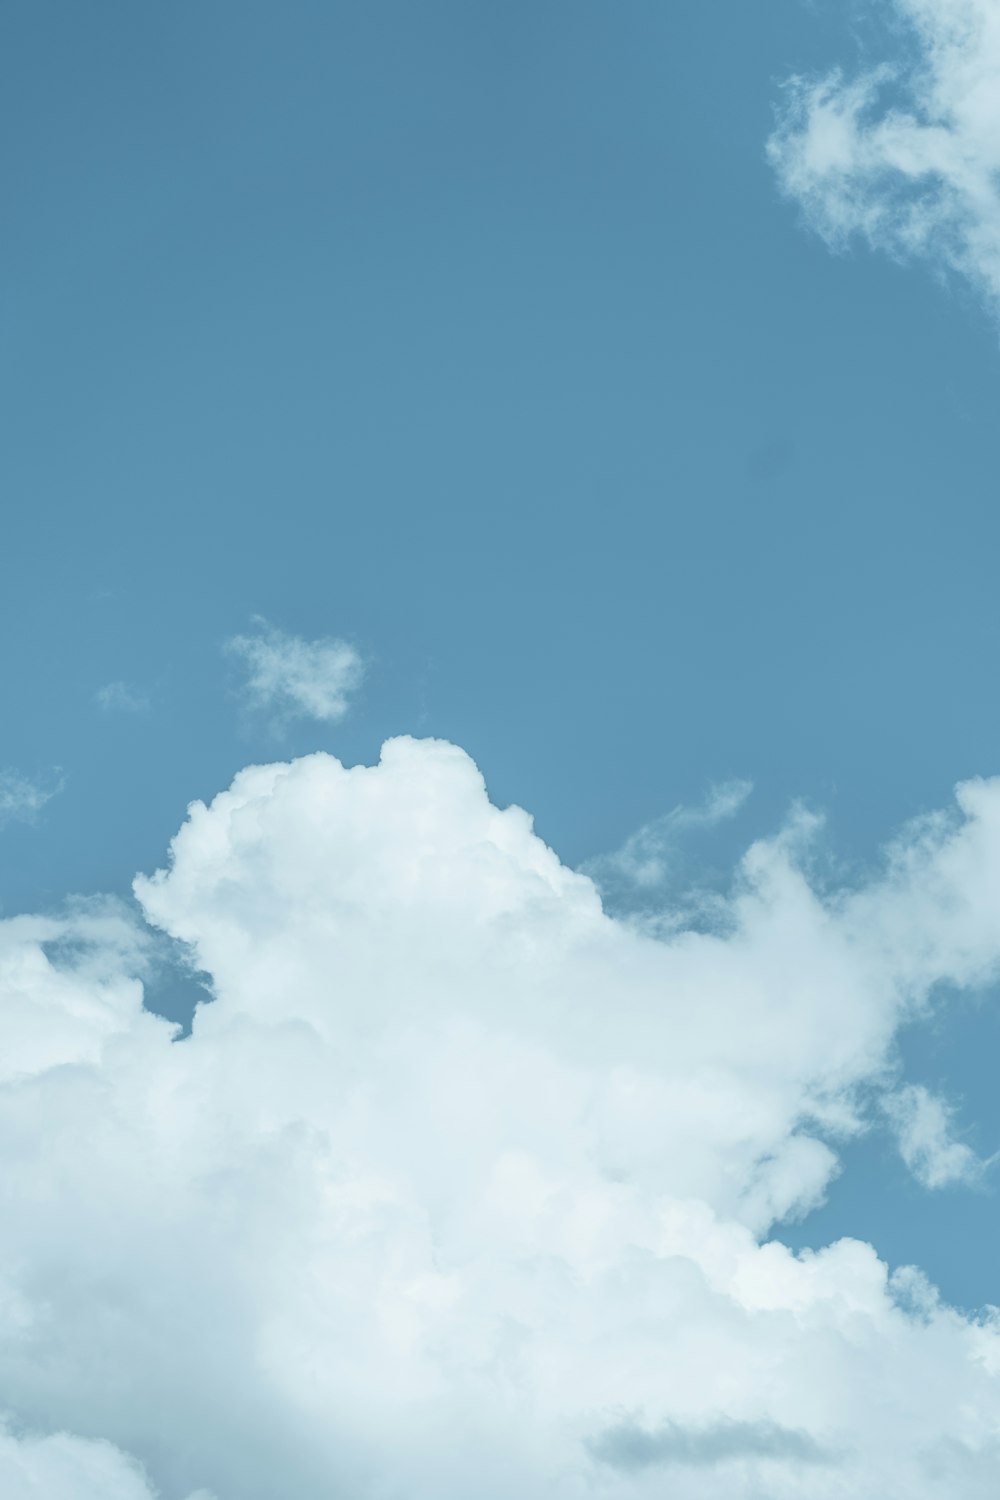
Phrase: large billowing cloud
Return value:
(907, 153)
(460, 1186)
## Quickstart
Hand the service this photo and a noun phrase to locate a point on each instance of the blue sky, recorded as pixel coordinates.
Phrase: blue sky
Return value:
(489, 340)
(490, 344)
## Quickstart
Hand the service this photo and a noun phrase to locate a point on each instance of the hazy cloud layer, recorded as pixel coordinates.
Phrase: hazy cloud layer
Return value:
(460, 1186)
(290, 677)
(906, 154)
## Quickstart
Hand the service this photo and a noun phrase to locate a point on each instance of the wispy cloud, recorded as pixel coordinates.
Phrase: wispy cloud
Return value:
(291, 677)
(906, 154)
(924, 1128)
(647, 856)
(21, 799)
(121, 697)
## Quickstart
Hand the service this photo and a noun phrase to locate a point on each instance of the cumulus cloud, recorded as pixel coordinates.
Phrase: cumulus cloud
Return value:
(906, 154)
(121, 697)
(461, 1186)
(924, 1129)
(22, 799)
(294, 678)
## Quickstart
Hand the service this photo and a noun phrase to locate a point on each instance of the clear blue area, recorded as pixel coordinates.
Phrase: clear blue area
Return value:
(478, 332)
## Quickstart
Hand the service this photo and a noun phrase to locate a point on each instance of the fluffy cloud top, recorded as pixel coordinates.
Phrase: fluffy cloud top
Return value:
(460, 1186)
(295, 678)
(907, 155)
(62, 1467)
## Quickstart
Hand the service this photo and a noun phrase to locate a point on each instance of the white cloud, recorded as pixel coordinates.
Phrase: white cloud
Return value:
(121, 697)
(22, 799)
(924, 1129)
(460, 1186)
(907, 155)
(295, 678)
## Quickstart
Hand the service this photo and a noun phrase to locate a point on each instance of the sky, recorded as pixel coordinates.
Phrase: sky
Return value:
(413, 414)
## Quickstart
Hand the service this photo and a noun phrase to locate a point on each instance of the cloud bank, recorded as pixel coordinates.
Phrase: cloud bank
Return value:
(290, 677)
(906, 155)
(459, 1185)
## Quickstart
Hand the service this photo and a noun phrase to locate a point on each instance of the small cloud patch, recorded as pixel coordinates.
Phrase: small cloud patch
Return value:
(21, 800)
(924, 1128)
(905, 155)
(291, 677)
(121, 697)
